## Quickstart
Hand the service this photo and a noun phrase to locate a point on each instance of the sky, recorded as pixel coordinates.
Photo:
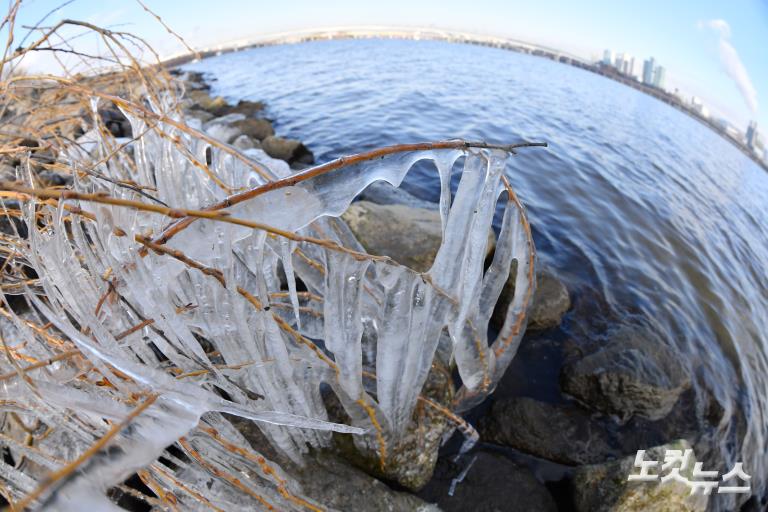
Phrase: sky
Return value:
(716, 50)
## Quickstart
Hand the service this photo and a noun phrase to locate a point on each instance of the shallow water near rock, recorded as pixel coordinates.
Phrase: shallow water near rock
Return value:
(645, 213)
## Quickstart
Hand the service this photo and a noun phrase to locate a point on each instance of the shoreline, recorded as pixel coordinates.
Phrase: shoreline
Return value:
(499, 43)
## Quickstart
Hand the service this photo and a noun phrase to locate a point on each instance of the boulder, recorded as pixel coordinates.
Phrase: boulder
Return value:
(492, 483)
(550, 301)
(257, 129)
(635, 373)
(410, 236)
(605, 488)
(228, 119)
(243, 142)
(336, 485)
(287, 149)
(221, 131)
(195, 80)
(333, 483)
(561, 433)
(201, 100)
(412, 460)
(246, 107)
(203, 115)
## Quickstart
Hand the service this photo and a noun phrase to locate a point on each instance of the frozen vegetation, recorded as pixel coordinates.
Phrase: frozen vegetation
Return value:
(225, 284)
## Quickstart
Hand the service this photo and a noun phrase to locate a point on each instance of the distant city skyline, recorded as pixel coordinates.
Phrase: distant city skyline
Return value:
(709, 50)
(654, 74)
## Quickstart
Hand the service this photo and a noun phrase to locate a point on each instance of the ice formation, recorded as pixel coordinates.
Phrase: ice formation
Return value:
(150, 342)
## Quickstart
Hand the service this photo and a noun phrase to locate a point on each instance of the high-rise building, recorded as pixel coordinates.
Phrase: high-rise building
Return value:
(608, 58)
(659, 76)
(620, 62)
(752, 135)
(648, 66)
(631, 67)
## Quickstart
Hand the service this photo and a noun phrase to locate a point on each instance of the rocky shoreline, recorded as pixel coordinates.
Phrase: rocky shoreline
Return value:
(608, 395)
(568, 444)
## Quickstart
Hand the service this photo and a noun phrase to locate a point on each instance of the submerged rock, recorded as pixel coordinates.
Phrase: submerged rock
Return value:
(605, 488)
(410, 236)
(560, 433)
(493, 483)
(287, 149)
(550, 301)
(634, 374)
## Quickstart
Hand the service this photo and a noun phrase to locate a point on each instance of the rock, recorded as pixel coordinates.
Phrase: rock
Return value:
(201, 100)
(248, 108)
(330, 481)
(550, 301)
(279, 167)
(222, 132)
(257, 129)
(298, 166)
(218, 106)
(54, 179)
(411, 461)
(559, 433)
(195, 80)
(229, 119)
(634, 374)
(605, 488)
(411, 236)
(203, 115)
(287, 149)
(28, 143)
(243, 142)
(116, 122)
(336, 485)
(492, 483)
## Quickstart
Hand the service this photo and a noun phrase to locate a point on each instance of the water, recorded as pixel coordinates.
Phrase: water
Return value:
(644, 212)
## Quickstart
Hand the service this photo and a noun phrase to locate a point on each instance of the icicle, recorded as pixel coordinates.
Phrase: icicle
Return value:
(461, 476)
(286, 247)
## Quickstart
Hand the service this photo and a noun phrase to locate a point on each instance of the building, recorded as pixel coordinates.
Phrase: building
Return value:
(659, 77)
(648, 67)
(631, 67)
(608, 58)
(620, 62)
(752, 135)
(698, 106)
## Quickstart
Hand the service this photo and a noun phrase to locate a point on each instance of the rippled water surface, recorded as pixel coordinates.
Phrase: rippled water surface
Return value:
(644, 212)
